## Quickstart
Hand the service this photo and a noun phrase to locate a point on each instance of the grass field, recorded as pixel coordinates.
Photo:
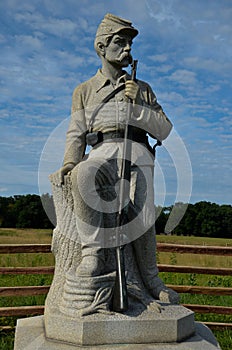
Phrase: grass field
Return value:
(19, 236)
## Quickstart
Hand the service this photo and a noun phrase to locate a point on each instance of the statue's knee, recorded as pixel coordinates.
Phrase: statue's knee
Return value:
(83, 173)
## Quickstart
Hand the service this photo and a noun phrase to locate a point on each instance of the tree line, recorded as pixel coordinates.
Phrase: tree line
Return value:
(25, 211)
(203, 219)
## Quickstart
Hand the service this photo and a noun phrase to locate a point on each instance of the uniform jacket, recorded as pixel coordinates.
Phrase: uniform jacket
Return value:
(113, 115)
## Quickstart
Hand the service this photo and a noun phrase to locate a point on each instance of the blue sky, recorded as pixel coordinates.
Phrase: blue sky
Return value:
(184, 50)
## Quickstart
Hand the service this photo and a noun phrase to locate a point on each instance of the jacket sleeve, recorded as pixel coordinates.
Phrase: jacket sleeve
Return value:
(75, 137)
(151, 116)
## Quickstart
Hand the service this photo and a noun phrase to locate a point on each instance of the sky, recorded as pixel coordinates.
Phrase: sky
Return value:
(184, 50)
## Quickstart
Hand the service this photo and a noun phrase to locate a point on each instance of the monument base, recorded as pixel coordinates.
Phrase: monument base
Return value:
(173, 324)
(30, 335)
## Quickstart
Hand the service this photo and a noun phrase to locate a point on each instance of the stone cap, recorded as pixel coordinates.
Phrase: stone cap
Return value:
(112, 24)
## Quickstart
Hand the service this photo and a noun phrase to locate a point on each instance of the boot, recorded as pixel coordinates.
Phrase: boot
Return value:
(163, 293)
(145, 252)
(92, 264)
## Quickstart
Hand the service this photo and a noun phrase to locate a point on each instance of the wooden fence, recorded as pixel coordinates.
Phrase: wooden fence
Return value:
(162, 247)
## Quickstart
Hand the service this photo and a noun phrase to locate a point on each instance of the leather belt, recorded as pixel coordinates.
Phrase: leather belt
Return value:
(119, 134)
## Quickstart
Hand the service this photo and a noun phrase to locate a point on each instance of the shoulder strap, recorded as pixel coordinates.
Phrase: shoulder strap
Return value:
(105, 99)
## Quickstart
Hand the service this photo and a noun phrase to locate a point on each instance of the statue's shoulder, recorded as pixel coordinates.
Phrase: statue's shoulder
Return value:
(145, 88)
(143, 84)
(84, 87)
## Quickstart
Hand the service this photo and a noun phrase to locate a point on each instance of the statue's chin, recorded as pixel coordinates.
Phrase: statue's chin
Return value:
(124, 62)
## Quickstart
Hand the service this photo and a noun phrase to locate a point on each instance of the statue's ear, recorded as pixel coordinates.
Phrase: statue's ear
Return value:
(101, 48)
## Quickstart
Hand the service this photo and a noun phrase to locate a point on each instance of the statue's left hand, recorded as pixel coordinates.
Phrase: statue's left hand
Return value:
(132, 91)
(57, 178)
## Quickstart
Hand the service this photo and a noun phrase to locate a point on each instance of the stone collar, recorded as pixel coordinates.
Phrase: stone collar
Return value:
(102, 80)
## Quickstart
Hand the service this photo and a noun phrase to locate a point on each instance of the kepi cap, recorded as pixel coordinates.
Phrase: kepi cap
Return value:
(112, 24)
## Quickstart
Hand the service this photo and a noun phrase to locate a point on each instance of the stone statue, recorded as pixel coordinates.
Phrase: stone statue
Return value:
(86, 188)
(113, 112)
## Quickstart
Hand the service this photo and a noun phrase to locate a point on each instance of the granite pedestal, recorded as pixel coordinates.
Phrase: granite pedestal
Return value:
(173, 324)
(30, 335)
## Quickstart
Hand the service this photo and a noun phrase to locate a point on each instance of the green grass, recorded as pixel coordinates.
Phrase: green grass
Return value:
(194, 259)
(7, 340)
(194, 240)
(16, 236)
(25, 236)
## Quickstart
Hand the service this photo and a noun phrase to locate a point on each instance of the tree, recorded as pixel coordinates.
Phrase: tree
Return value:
(161, 220)
(201, 219)
(7, 217)
(26, 211)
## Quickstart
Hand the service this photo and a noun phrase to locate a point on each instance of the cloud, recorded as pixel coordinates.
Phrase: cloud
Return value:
(183, 77)
(184, 51)
(163, 12)
(158, 58)
(28, 41)
(3, 189)
(208, 64)
(54, 26)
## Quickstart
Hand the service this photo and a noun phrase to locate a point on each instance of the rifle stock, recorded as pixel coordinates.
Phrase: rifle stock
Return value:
(120, 297)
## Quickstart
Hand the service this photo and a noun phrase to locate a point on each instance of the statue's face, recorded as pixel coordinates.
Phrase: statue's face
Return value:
(118, 50)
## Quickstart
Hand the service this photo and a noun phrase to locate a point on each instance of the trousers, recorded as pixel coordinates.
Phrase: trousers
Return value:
(96, 188)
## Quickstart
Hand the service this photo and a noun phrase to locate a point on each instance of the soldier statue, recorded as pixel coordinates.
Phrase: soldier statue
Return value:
(99, 117)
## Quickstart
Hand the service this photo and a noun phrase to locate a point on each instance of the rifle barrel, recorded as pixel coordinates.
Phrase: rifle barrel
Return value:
(120, 297)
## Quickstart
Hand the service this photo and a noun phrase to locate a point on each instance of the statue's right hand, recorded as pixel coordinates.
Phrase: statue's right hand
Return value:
(57, 178)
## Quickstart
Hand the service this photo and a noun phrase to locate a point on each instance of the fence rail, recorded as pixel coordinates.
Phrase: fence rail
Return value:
(40, 270)
(39, 310)
(24, 248)
(40, 290)
(162, 247)
(49, 270)
(194, 249)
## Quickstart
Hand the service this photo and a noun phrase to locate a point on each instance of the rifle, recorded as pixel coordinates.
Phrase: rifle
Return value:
(120, 298)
